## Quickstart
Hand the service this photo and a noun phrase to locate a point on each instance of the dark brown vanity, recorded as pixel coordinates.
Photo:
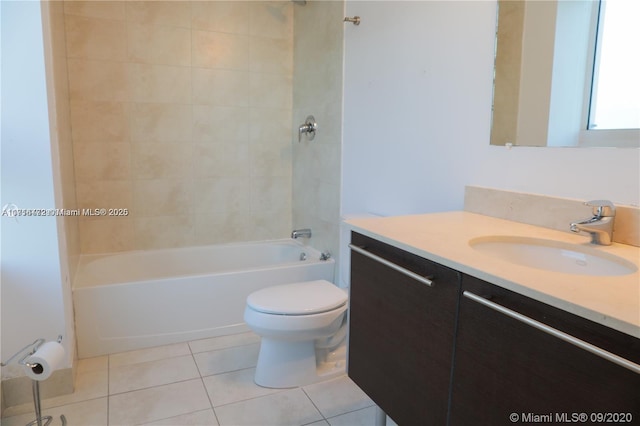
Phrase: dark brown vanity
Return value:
(453, 349)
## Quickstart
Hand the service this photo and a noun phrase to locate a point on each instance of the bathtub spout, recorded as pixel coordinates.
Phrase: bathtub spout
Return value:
(297, 233)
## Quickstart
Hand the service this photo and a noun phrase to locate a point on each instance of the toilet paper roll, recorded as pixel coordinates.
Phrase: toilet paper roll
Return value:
(48, 358)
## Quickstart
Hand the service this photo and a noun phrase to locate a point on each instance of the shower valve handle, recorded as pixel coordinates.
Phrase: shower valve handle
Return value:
(309, 127)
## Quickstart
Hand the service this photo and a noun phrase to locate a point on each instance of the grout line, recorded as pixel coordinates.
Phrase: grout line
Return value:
(157, 386)
(313, 403)
(177, 415)
(226, 348)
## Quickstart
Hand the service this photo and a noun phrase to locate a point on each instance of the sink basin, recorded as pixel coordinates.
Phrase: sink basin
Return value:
(552, 255)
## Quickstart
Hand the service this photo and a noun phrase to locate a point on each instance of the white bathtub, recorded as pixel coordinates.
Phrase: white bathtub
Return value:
(138, 299)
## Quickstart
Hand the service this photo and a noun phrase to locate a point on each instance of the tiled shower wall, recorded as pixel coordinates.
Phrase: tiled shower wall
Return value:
(317, 90)
(181, 114)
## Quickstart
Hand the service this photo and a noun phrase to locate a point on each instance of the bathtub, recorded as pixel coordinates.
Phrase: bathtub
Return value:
(132, 300)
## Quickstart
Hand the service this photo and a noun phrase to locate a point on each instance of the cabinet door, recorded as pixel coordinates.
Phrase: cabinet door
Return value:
(402, 333)
(508, 371)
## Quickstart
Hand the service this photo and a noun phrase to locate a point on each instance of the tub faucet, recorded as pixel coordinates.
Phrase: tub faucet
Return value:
(600, 226)
(297, 233)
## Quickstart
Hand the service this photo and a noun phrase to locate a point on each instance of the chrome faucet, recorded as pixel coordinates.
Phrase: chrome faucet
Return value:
(298, 233)
(600, 226)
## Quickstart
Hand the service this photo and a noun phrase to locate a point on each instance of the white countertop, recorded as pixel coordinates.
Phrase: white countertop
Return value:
(613, 301)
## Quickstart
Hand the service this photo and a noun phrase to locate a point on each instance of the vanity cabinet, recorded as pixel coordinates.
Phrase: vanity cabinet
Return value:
(467, 352)
(401, 331)
(506, 366)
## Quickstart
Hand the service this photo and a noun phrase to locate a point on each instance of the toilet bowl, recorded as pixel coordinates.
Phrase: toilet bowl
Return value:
(296, 323)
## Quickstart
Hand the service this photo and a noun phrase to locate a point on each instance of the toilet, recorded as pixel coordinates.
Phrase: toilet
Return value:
(301, 326)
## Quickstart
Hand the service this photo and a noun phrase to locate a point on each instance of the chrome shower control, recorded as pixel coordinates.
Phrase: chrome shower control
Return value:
(309, 128)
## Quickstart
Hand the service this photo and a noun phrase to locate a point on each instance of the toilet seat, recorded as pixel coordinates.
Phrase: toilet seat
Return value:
(305, 298)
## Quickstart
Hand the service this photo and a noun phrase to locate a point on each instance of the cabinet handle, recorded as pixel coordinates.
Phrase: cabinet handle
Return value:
(385, 262)
(557, 333)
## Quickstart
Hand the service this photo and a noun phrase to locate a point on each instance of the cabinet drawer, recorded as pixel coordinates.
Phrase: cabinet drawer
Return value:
(528, 371)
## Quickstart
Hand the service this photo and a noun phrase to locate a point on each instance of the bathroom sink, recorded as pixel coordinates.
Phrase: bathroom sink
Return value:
(553, 256)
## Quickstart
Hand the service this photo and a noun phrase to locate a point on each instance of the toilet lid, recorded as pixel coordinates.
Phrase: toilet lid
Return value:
(298, 298)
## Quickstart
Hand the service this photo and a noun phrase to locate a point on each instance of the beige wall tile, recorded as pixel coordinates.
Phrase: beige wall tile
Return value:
(216, 124)
(92, 38)
(220, 50)
(270, 194)
(103, 194)
(316, 165)
(226, 195)
(162, 197)
(272, 19)
(220, 87)
(95, 121)
(271, 159)
(106, 235)
(269, 55)
(162, 160)
(328, 203)
(175, 105)
(97, 80)
(61, 138)
(96, 9)
(222, 228)
(271, 124)
(173, 13)
(160, 122)
(102, 161)
(158, 45)
(222, 159)
(163, 232)
(159, 83)
(271, 225)
(270, 90)
(221, 16)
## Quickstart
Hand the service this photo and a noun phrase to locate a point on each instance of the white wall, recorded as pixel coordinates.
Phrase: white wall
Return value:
(31, 297)
(417, 113)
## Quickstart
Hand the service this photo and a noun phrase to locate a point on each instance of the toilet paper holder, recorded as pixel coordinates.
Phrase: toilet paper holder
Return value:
(31, 349)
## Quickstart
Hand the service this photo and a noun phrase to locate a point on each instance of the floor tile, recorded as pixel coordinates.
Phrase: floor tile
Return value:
(225, 360)
(206, 417)
(337, 396)
(149, 354)
(92, 412)
(153, 373)
(363, 417)
(222, 342)
(163, 386)
(235, 386)
(161, 402)
(291, 407)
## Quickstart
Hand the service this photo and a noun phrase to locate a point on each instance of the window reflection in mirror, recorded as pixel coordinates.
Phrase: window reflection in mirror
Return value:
(544, 68)
(615, 94)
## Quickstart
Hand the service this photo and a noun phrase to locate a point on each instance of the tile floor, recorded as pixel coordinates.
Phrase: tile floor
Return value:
(204, 382)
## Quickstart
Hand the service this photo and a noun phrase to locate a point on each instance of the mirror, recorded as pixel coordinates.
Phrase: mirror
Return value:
(549, 76)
